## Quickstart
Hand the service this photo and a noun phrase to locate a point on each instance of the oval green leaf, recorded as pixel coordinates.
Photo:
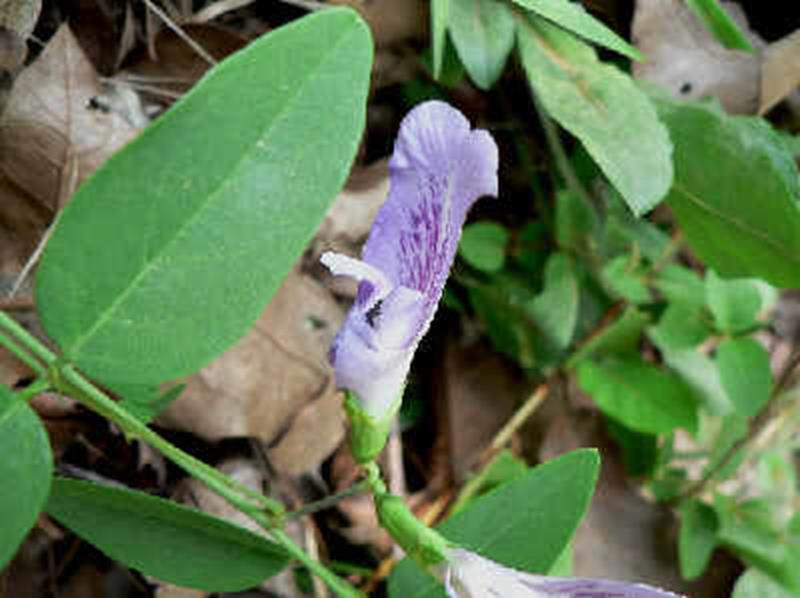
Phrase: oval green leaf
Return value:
(168, 254)
(168, 541)
(639, 395)
(573, 17)
(742, 216)
(601, 106)
(26, 467)
(525, 524)
(483, 34)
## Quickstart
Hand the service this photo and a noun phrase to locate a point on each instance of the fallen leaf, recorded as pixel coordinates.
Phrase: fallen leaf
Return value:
(259, 386)
(685, 58)
(781, 71)
(49, 128)
(295, 452)
(392, 22)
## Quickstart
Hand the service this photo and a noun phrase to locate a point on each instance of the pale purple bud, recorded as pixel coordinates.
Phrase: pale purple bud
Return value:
(468, 575)
(439, 168)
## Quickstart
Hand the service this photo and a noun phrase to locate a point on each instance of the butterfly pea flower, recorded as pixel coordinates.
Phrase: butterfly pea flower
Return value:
(439, 168)
(468, 575)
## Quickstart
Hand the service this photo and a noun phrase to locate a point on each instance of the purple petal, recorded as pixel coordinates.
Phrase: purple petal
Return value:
(438, 169)
(471, 576)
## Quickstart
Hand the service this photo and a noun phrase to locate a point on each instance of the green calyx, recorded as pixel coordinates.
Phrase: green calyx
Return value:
(368, 434)
(423, 544)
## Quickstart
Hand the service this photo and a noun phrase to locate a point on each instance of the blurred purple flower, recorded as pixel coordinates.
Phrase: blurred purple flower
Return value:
(439, 168)
(468, 575)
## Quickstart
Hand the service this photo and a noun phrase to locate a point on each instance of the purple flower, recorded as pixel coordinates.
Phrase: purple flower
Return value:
(468, 575)
(439, 168)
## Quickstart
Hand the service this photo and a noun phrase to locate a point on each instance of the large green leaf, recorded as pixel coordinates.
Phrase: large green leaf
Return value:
(720, 24)
(639, 395)
(602, 107)
(483, 34)
(525, 524)
(26, 467)
(169, 253)
(741, 216)
(573, 17)
(168, 541)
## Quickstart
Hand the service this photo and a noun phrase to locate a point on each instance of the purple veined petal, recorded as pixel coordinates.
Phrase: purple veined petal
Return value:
(439, 168)
(469, 575)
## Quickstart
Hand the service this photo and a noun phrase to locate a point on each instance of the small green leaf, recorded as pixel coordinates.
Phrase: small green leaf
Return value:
(483, 245)
(681, 285)
(556, 307)
(525, 524)
(627, 279)
(698, 538)
(483, 34)
(720, 24)
(170, 542)
(681, 328)
(440, 11)
(639, 395)
(168, 254)
(742, 216)
(755, 584)
(745, 373)
(572, 17)
(734, 303)
(602, 107)
(26, 467)
(617, 338)
(750, 529)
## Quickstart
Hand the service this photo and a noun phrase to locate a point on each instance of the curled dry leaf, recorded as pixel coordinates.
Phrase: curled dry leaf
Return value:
(260, 385)
(49, 127)
(781, 71)
(686, 59)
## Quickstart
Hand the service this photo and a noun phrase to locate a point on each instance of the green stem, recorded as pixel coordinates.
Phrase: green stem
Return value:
(328, 501)
(27, 339)
(39, 386)
(22, 354)
(229, 489)
(333, 581)
(255, 505)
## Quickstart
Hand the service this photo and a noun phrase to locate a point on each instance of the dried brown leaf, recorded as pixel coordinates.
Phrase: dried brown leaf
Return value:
(260, 386)
(49, 127)
(685, 58)
(781, 71)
